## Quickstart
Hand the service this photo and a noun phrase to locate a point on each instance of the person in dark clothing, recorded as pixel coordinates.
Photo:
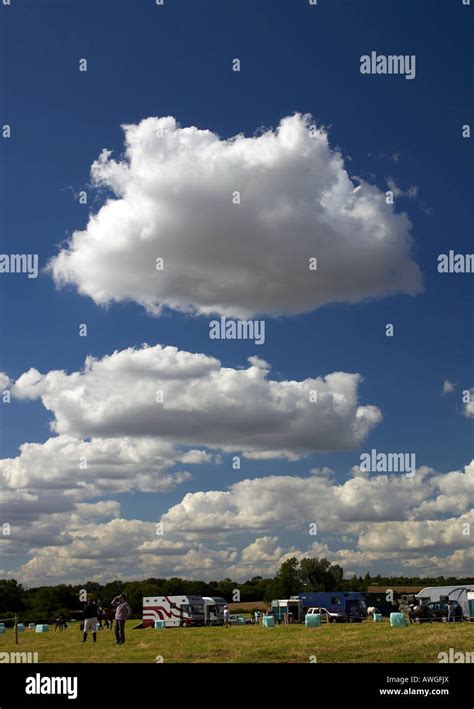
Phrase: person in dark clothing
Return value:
(90, 620)
(451, 618)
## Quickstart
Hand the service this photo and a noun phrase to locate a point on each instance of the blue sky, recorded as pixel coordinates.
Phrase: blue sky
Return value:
(146, 61)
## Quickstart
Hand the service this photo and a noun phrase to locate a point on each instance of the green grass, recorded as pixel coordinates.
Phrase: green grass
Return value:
(365, 642)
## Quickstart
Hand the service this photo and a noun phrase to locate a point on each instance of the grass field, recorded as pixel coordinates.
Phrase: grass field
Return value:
(365, 642)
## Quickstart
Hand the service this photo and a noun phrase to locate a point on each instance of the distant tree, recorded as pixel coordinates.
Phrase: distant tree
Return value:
(289, 578)
(173, 586)
(12, 595)
(274, 590)
(336, 577)
(110, 590)
(314, 574)
(93, 588)
(151, 589)
(225, 588)
(354, 584)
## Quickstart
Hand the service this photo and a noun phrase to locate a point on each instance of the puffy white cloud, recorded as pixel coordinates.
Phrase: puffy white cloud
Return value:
(207, 534)
(448, 387)
(113, 436)
(265, 550)
(52, 525)
(455, 493)
(196, 457)
(459, 563)
(381, 512)
(469, 404)
(276, 502)
(125, 549)
(89, 468)
(174, 198)
(99, 551)
(259, 362)
(418, 535)
(396, 563)
(181, 398)
(95, 510)
(409, 193)
(117, 548)
(108, 416)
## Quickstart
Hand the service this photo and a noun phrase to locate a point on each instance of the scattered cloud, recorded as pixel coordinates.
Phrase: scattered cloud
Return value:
(448, 387)
(376, 524)
(469, 404)
(409, 193)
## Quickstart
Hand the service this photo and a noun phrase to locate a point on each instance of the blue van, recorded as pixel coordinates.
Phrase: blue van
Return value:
(342, 606)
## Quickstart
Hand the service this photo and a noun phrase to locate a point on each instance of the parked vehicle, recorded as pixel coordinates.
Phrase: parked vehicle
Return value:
(239, 620)
(432, 594)
(349, 605)
(438, 610)
(176, 611)
(328, 616)
(214, 610)
(287, 610)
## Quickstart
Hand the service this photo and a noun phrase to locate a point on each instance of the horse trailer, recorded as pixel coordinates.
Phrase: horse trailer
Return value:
(176, 611)
(348, 605)
(287, 610)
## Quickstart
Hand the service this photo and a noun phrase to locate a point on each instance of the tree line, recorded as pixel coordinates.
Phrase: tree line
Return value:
(44, 603)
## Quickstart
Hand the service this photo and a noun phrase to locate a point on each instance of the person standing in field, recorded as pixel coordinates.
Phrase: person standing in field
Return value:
(90, 620)
(226, 617)
(123, 611)
(451, 618)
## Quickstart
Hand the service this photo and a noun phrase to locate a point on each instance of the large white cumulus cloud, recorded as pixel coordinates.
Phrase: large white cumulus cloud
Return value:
(190, 399)
(173, 199)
